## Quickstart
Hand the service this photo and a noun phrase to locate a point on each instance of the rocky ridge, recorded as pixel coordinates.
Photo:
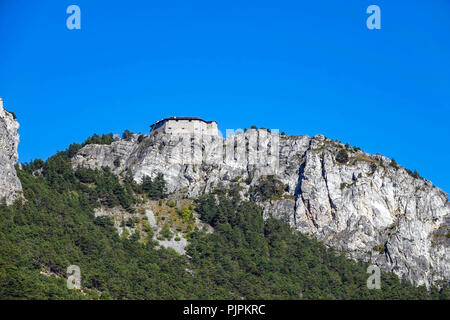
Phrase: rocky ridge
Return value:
(365, 205)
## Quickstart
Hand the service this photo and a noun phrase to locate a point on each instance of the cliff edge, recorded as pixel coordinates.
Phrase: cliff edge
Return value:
(10, 186)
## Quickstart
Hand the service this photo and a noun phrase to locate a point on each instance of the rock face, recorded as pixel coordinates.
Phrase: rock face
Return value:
(364, 205)
(10, 186)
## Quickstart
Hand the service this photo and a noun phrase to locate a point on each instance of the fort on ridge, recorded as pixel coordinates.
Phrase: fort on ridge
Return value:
(185, 125)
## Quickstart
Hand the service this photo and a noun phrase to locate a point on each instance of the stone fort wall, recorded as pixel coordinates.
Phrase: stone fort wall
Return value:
(188, 127)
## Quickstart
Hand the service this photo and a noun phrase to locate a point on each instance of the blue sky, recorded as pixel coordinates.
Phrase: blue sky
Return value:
(303, 67)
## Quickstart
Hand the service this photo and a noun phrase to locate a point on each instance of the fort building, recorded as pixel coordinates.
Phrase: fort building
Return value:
(185, 125)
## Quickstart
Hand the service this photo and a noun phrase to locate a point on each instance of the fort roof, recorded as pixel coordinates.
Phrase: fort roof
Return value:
(160, 122)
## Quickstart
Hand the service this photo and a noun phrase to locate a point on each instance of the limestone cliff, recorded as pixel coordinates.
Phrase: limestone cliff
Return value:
(364, 205)
(10, 186)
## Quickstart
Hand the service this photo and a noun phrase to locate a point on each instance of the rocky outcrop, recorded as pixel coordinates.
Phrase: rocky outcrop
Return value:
(149, 220)
(10, 186)
(366, 206)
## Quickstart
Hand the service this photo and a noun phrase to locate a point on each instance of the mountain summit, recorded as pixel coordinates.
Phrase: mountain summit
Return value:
(365, 205)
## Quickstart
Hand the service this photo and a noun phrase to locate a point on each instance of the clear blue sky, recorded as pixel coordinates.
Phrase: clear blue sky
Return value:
(304, 67)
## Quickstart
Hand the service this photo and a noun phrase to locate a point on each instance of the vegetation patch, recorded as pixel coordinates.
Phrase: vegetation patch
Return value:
(97, 139)
(342, 156)
(345, 185)
(379, 248)
(268, 188)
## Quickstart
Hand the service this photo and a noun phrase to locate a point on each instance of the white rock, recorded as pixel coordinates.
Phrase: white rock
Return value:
(10, 186)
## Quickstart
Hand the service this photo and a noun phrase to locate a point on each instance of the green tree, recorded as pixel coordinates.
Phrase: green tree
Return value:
(342, 156)
(127, 135)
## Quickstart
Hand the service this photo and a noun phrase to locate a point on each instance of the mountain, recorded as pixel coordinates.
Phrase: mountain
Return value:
(364, 205)
(10, 187)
